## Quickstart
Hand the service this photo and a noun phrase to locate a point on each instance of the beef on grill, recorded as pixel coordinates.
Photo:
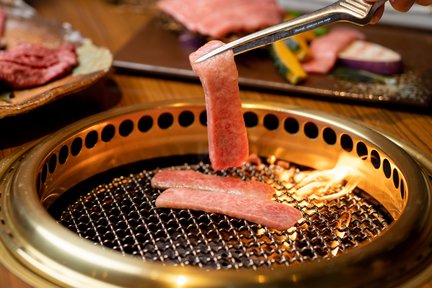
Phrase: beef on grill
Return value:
(226, 130)
(265, 212)
(196, 180)
(28, 65)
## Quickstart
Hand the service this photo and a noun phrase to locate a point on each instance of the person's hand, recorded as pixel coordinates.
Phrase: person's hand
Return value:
(405, 5)
(399, 5)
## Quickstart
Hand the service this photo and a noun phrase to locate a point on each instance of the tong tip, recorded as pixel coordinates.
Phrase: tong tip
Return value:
(212, 53)
(203, 58)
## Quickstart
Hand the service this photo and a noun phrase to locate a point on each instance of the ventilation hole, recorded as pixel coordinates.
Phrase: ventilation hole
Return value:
(387, 168)
(203, 118)
(63, 154)
(271, 122)
(291, 125)
(44, 173)
(362, 151)
(186, 118)
(91, 139)
(395, 178)
(126, 127)
(402, 189)
(251, 119)
(108, 133)
(165, 120)
(329, 136)
(346, 143)
(145, 123)
(52, 163)
(76, 146)
(311, 130)
(375, 159)
(419, 257)
(38, 183)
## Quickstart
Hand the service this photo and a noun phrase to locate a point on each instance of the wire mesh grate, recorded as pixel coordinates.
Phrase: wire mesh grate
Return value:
(122, 215)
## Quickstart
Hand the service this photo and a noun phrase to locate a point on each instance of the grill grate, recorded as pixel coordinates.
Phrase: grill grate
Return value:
(121, 215)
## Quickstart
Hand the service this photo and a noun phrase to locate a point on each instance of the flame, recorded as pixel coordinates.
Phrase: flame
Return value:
(322, 185)
(329, 184)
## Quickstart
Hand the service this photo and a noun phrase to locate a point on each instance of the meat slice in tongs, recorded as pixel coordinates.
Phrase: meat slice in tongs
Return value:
(354, 11)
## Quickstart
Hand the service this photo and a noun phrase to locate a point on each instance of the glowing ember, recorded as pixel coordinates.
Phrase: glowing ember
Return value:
(343, 223)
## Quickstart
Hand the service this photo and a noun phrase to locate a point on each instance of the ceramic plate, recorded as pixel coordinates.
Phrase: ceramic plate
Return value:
(24, 25)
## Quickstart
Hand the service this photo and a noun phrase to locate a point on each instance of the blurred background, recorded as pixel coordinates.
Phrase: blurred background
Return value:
(418, 17)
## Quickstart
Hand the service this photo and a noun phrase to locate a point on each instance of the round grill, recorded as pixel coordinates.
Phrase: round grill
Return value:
(77, 210)
(122, 215)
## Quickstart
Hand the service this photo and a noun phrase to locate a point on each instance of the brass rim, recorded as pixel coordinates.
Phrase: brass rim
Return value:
(40, 245)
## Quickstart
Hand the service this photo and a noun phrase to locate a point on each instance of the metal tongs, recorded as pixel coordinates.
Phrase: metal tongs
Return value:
(358, 12)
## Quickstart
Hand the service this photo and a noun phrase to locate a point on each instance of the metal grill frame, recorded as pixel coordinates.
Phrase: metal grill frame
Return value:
(34, 178)
(121, 215)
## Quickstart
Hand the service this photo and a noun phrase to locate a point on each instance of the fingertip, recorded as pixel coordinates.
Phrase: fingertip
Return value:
(378, 14)
(424, 2)
(402, 5)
